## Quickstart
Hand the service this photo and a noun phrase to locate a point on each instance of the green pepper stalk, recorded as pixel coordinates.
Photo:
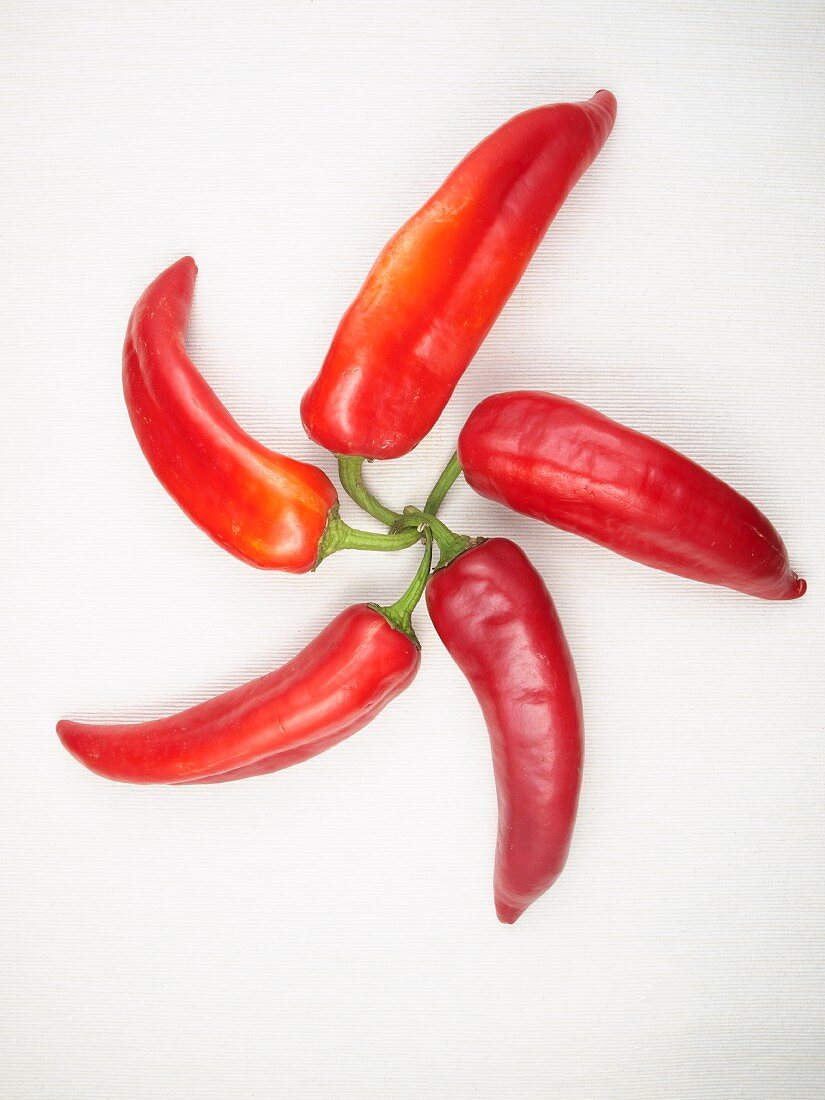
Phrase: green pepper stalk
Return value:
(399, 614)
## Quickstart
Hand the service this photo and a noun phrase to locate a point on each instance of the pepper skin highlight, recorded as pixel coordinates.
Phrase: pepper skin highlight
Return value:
(268, 510)
(494, 614)
(563, 463)
(442, 280)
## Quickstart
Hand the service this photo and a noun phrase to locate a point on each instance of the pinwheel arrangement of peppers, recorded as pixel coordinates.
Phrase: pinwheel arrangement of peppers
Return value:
(401, 348)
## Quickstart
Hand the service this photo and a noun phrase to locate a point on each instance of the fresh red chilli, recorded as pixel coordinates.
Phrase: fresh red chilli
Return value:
(269, 510)
(495, 616)
(330, 690)
(570, 466)
(398, 354)
(442, 280)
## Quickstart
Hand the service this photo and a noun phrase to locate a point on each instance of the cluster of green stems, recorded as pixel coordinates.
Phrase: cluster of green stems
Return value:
(405, 529)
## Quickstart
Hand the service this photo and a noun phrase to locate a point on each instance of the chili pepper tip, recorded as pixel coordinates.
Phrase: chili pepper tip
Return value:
(184, 262)
(508, 914)
(607, 100)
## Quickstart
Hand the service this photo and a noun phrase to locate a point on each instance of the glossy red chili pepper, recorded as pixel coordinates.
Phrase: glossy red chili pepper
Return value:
(568, 465)
(334, 687)
(439, 284)
(495, 616)
(269, 510)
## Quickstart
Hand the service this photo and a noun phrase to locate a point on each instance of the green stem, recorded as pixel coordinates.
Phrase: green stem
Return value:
(399, 614)
(450, 545)
(350, 473)
(448, 476)
(340, 536)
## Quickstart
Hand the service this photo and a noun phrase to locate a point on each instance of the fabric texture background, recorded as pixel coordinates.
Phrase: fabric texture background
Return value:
(329, 931)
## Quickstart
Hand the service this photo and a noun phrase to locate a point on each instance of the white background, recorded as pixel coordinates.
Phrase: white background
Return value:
(329, 931)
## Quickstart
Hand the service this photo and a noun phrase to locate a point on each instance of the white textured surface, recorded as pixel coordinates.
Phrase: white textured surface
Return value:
(329, 931)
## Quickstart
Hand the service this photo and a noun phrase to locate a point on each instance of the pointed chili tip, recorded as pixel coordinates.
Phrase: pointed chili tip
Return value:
(606, 102)
(65, 729)
(508, 914)
(178, 279)
(185, 269)
(187, 262)
(793, 590)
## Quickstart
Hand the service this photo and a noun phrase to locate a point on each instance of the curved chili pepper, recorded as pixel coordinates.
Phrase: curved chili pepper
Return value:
(441, 281)
(334, 687)
(495, 616)
(568, 465)
(268, 510)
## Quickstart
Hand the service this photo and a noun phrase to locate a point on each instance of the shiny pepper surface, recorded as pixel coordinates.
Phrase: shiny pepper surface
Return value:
(268, 510)
(566, 464)
(330, 690)
(494, 614)
(442, 280)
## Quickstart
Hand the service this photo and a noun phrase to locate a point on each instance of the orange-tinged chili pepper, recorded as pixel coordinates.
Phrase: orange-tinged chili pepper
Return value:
(265, 508)
(439, 284)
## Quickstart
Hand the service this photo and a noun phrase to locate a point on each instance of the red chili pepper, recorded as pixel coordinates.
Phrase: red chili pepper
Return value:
(269, 510)
(568, 465)
(441, 281)
(334, 687)
(495, 616)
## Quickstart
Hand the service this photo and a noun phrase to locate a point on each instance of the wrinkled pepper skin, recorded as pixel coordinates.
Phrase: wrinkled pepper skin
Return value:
(330, 690)
(268, 510)
(494, 614)
(566, 464)
(442, 280)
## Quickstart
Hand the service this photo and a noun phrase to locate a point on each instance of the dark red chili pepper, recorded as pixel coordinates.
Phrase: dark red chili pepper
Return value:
(268, 510)
(334, 687)
(439, 284)
(568, 465)
(495, 616)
